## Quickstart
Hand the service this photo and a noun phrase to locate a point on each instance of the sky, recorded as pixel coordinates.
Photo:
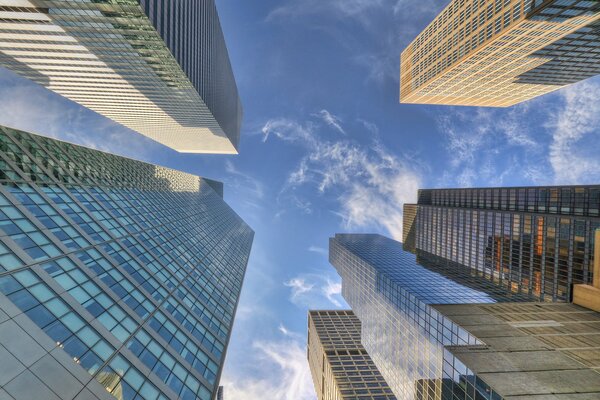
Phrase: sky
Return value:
(327, 147)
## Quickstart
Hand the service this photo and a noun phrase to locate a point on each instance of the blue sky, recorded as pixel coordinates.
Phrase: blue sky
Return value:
(326, 147)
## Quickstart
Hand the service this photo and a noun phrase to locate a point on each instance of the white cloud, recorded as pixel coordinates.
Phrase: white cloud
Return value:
(288, 130)
(576, 136)
(371, 185)
(312, 290)
(317, 249)
(332, 291)
(299, 287)
(289, 377)
(332, 121)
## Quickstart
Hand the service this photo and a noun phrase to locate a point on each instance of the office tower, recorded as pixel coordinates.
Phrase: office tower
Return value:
(160, 68)
(440, 331)
(220, 393)
(501, 52)
(118, 279)
(537, 241)
(339, 364)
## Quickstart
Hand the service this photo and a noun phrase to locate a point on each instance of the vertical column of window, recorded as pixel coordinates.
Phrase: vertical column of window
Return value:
(543, 197)
(497, 246)
(506, 249)
(512, 199)
(594, 202)
(444, 237)
(554, 201)
(451, 224)
(489, 243)
(516, 251)
(473, 233)
(504, 205)
(521, 199)
(550, 257)
(579, 201)
(539, 255)
(563, 267)
(566, 201)
(496, 199)
(531, 200)
(463, 237)
(526, 253)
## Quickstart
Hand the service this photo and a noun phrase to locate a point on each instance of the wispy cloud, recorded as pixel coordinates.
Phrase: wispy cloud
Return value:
(376, 30)
(312, 290)
(289, 377)
(317, 249)
(332, 291)
(335, 8)
(289, 131)
(299, 287)
(551, 139)
(576, 135)
(332, 121)
(370, 184)
(488, 146)
(251, 187)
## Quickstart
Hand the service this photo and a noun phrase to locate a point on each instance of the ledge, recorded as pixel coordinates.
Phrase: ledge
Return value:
(587, 296)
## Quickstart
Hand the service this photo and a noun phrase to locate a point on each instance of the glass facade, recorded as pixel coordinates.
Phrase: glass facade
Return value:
(393, 293)
(159, 67)
(131, 269)
(500, 52)
(339, 364)
(536, 241)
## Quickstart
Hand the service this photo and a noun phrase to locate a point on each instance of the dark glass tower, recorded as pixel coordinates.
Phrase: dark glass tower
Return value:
(440, 331)
(118, 279)
(537, 241)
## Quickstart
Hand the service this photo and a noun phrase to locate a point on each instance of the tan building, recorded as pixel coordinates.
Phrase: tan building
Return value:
(339, 364)
(501, 52)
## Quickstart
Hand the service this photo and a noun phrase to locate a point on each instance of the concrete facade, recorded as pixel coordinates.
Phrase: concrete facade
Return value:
(531, 350)
(339, 364)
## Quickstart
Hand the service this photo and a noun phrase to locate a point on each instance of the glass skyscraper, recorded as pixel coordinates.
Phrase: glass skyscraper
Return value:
(537, 241)
(159, 67)
(118, 279)
(439, 330)
(501, 52)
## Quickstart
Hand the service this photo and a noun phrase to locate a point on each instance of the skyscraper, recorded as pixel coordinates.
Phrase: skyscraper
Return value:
(501, 52)
(118, 279)
(537, 241)
(159, 67)
(339, 364)
(437, 330)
